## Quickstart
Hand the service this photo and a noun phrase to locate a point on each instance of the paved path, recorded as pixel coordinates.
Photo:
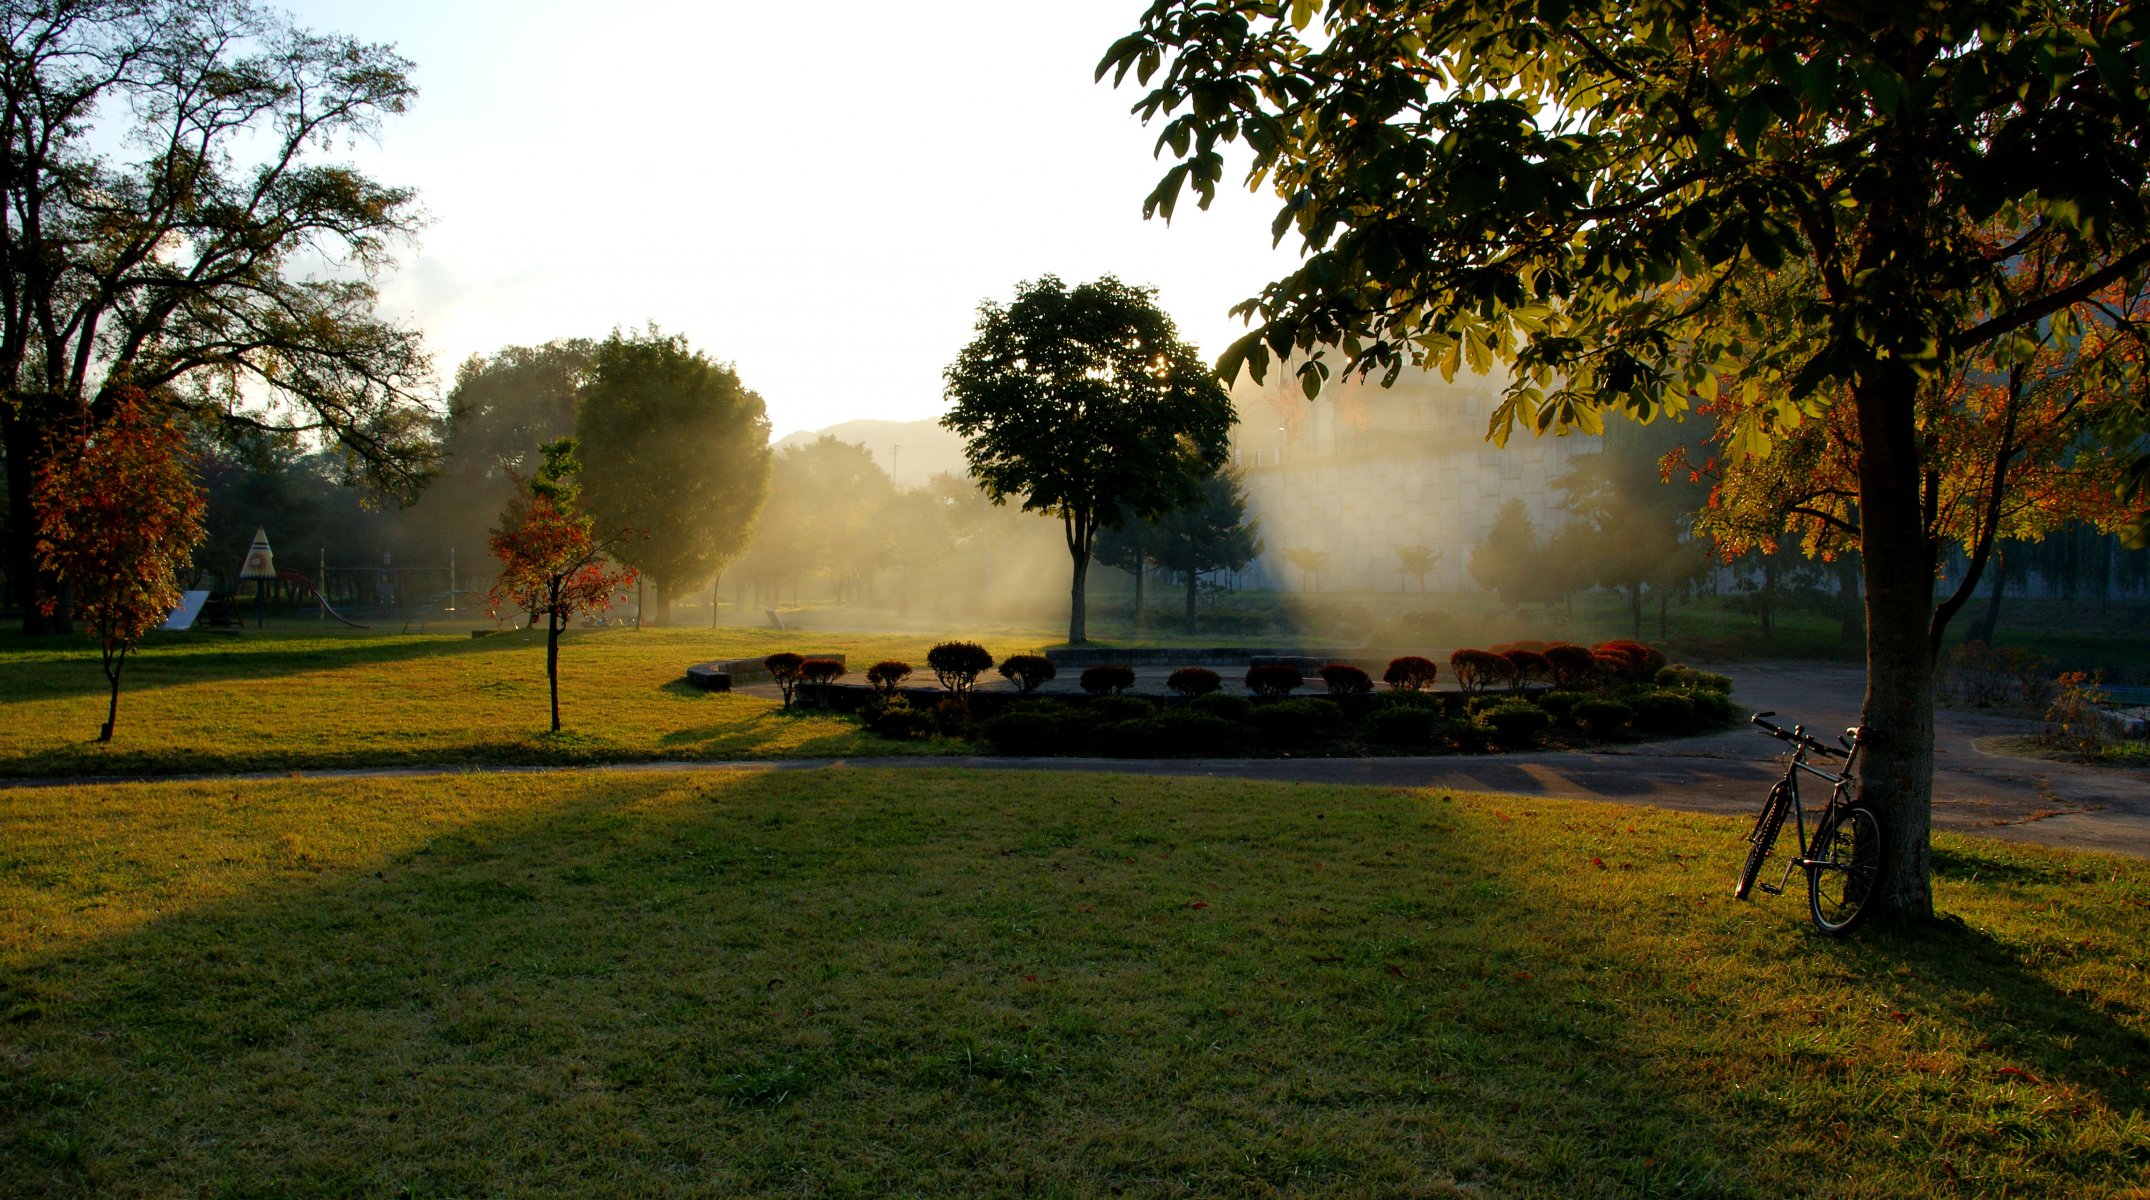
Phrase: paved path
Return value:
(2051, 803)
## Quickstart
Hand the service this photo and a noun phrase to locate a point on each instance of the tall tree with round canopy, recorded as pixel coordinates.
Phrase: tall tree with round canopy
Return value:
(1085, 403)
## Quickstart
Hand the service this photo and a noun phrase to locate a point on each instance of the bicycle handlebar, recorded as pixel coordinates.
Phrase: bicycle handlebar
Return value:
(1781, 733)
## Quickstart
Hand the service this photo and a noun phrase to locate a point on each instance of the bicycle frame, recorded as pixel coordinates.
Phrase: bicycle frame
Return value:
(1840, 786)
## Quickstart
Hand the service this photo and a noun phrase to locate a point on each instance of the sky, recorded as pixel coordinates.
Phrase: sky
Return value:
(819, 194)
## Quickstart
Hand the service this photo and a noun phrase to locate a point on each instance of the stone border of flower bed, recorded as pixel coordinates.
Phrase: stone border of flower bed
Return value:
(721, 675)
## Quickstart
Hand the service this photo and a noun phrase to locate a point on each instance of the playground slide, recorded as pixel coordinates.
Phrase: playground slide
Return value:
(293, 577)
(188, 612)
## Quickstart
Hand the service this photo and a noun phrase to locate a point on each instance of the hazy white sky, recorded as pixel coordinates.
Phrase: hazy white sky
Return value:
(820, 193)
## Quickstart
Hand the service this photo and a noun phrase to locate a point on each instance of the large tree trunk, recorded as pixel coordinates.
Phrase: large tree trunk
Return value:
(1982, 629)
(552, 656)
(1078, 626)
(23, 439)
(114, 664)
(1897, 554)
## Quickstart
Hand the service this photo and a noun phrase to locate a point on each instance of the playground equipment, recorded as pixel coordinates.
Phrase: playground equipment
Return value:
(439, 604)
(298, 580)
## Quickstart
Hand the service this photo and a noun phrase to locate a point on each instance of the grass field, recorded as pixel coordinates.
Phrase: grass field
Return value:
(294, 699)
(929, 983)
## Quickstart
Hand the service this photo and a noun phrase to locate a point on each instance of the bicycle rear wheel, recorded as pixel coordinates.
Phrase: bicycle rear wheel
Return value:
(1843, 869)
(1764, 836)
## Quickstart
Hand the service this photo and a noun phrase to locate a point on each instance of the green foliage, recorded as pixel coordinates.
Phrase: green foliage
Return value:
(502, 407)
(1028, 672)
(675, 447)
(833, 513)
(784, 668)
(1406, 726)
(1663, 712)
(1294, 723)
(897, 718)
(1679, 677)
(1601, 717)
(1516, 723)
(1193, 682)
(1084, 403)
(1031, 730)
(1226, 707)
(1559, 703)
(1106, 709)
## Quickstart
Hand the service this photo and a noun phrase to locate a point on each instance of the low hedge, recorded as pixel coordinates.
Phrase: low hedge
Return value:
(1516, 723)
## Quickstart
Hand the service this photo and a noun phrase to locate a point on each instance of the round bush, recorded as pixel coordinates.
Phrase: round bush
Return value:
(1477, 670)
(1293, 723)
(1681, 678)
(1343, 679)
(1601, 717)
(1713, 708)
(1410, 673)
(894, 718)
(1028, 672)
(887, 676)
(958, 665)
(821, 670)
(1190, 732)
(1526, 666)
(1235, 709)
(1108, 679)
(1193, 681)
(1629, 660)
(1663, 712)
(1406, 726)
(1516, 722)
(1273, 679)
(1572, 665)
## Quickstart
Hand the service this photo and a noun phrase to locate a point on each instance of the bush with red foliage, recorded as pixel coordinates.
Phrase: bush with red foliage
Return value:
(783, 666)
(1572, 665)
(1410, 673)
(1028, 672)
(1273, 679)
(1193, 681)
(821, 670)
(1526, 667)
(887, 676)
(1478, 670)
(1346, 680)
(1629, 660)
(958, 665)
(1108, 679)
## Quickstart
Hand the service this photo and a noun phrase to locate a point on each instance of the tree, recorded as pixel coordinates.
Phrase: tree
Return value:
(1310, 562)
(1085, 402)
(831, 510)
(1417, 562)
(552, 563)
(503, 406)
(192, 269)
(1510, 561)
(1587, 191)
(1212, 534)
(676, 446)
(118, 517)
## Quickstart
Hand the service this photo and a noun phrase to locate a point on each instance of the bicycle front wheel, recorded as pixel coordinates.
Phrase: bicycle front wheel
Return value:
(1764, 836)
(1844, 869)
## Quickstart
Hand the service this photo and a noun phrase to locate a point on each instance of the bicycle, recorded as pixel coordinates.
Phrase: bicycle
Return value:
(1843, 861)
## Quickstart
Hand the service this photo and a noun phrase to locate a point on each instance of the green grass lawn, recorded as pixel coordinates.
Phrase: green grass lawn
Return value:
(930, 983)
(302, 697)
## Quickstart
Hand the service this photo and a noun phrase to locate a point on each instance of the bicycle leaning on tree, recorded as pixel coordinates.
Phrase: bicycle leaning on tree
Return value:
(1843, 860)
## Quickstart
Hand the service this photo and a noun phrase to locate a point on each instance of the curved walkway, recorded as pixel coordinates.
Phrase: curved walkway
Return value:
(2050, 803)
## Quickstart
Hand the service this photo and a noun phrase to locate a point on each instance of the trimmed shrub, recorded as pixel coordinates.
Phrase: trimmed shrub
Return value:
(1028, 672)
(819, 673)
(1681, 678)
(1410, 673)
(1293, 723)
(951, 717)
(1273, 679)
(783, 666)
(1108, 679)
(1406, 725)
(1143, 737)
(1477, 670)
(1222, 706)
(1526, 667)
(1600, 717)
(1193, 681)
(1029, 731)
(1629, 660)
(1190, 732)
(1713, 708)
(958, 665)
(1343, 679)
(1118, 708)
(1560, 704)
(1516, 722)
(1663, 712)
(885, 677)
(1572, 665)
(896, 718)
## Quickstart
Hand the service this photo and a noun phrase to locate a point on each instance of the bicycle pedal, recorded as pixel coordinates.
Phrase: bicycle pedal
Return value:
(1774, 891)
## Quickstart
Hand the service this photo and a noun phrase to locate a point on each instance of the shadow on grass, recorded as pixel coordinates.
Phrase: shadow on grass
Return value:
(43, 668)
(940, 983)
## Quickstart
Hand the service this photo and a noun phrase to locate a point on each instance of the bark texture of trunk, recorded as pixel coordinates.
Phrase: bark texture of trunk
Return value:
(1896, 769)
